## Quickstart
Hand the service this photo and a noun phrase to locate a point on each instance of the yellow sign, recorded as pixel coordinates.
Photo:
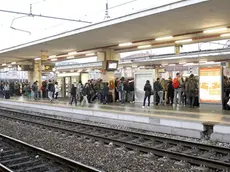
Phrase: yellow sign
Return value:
(44, 55)
(177, 49)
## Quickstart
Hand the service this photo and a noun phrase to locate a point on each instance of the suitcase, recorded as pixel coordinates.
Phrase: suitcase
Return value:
(7, 95)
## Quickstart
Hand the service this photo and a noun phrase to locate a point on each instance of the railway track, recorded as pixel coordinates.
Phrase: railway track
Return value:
(17, 156)
(212, 157)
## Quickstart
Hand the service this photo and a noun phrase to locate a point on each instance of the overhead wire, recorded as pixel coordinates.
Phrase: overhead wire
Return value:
(119, 5)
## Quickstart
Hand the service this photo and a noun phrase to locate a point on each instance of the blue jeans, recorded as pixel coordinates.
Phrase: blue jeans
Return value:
(178, 92)
(122, 97)
(148, 96)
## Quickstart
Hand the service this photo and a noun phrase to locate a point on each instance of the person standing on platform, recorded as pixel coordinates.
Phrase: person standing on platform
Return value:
(170, 90)
(159, 89)
(79, 91)
(148, 92)
(7, 91)
(51, 89)
(177, 85)
(131, 91)
(85, 93)
(56, 90)
(116, 92)
(192, 88)
(73, 93)
(106, 93)
(122, 90)
(35, 90)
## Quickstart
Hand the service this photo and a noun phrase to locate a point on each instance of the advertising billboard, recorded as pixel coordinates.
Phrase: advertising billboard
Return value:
(210, 85)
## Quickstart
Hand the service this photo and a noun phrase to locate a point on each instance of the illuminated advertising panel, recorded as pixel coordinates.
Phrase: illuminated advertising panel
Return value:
(210, 85)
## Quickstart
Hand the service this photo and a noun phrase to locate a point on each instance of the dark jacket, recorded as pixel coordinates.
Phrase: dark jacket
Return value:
(85, 91)
(157, 86)
(148, 89)
(131, 86)
(73, 91)
(51, 87)
(170, 88)
(106, 90)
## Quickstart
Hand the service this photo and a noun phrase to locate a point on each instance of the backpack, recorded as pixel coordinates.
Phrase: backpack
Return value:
(176, 83)
(191, 86)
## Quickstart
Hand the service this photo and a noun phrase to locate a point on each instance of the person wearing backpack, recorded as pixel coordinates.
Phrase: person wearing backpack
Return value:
(177, 85)
(192, 88)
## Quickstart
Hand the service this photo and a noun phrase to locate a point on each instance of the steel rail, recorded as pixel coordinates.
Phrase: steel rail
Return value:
(46, 154)
(211, 163)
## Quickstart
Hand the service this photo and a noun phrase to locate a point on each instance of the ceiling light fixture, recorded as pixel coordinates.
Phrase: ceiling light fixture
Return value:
(125, 44)
(51, 57)
(203, 61)
(215, 30)
(144, 46)
(225, 35)
(4, 64)
(90, 54)
(70, 57)
(38, 58)
(53, 60)
(164, 38)
(72, 53)
(13, 63)
(183, 41)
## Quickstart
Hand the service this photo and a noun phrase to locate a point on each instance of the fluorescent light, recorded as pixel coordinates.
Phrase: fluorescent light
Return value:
(68, 74)
(51, 57)
(183, 41)
(70, 57)
(125, 44)
(164, 38)
(72, 53)
(53, 60)
(90, 54)
(203, 61)
(144, 46)
(225, 35)
(172, 65)
(38, 58)
(181, 63)
(13, 63)
(9, 65)
(215, 30)
(4, 64)
(189, 64)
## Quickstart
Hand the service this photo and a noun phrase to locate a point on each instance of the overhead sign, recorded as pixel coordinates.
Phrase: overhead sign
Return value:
(210, 85)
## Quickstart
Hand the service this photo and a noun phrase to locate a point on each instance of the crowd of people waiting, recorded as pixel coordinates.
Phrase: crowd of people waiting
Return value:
(175, 92)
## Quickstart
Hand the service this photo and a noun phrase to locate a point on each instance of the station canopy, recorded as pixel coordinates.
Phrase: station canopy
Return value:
(184, 19)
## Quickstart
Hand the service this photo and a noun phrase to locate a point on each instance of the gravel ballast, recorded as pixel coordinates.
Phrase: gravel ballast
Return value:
(102, 157)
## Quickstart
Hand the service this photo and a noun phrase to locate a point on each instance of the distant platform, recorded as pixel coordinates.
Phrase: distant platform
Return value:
(191, 122)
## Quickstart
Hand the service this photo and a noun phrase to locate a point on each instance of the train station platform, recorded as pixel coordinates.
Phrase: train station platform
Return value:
(190, 122)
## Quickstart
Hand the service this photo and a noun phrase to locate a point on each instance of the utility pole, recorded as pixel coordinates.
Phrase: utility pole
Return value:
(107, 10)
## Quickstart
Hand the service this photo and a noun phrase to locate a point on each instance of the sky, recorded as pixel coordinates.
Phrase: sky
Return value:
(88, 10)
